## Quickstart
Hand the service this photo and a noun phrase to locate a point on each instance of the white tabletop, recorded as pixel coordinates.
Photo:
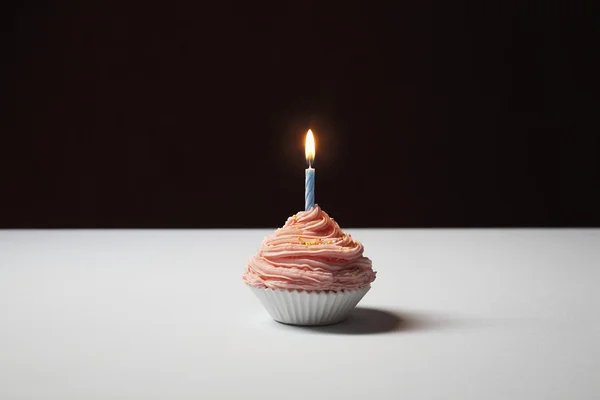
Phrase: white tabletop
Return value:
(453, 314)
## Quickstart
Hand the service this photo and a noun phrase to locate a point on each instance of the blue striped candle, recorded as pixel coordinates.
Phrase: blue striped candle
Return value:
(309, 177)
(309, 188)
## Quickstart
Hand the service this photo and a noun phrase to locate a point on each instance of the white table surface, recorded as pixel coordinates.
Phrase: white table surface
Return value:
(453, 314)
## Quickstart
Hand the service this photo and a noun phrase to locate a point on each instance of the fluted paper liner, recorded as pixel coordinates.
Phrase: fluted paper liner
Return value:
(300, 307)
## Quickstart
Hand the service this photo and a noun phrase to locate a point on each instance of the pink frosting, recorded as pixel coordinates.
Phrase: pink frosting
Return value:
(310, 252)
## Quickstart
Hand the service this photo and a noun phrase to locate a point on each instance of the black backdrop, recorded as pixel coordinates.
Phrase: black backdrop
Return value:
(193, 114)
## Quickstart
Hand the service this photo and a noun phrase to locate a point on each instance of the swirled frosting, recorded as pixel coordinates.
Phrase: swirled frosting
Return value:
(310, 252)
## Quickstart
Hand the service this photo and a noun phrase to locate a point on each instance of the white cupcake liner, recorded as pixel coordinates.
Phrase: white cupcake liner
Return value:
(309, 308)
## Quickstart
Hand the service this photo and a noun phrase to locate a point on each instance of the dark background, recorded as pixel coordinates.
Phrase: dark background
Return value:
(193, 114)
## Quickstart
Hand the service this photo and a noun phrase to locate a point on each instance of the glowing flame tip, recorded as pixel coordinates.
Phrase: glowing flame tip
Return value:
(310, 147)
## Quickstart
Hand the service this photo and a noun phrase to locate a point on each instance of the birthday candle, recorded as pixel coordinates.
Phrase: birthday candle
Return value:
(309, 176)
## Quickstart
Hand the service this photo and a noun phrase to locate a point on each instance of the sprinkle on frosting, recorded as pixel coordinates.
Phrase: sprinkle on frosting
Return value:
(310, 252)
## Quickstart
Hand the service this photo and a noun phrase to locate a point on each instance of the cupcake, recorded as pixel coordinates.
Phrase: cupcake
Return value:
(309, 272)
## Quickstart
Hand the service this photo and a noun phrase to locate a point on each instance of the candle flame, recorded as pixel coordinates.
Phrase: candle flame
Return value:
(310, 147)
